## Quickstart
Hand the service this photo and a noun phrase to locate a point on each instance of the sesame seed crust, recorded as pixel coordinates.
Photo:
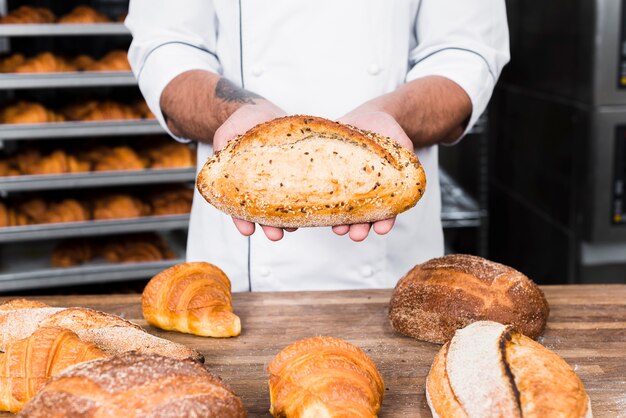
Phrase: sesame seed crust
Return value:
(300, 171)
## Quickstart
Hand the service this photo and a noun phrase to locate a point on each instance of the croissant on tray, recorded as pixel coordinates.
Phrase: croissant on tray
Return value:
(118, 158)
(72, 252)
(26, 365)
(112, 334)
(68, 210)
(194, 298)
(84, 14)
(28, 112)
(28, 14)
(324, 377)
(10, 63)
(119, 206)
(171, 202)
(100, 111)
(171, 155)
(113, 61)
(138, 248)
(45, 62)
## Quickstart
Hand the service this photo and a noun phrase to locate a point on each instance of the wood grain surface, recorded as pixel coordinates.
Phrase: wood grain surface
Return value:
(587, 327)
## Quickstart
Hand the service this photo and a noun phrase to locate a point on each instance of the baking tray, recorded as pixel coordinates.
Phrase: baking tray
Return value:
(27, 266)
(23, 132)
(96, 179)
(67, 79)
(54, 29)
(93, 228)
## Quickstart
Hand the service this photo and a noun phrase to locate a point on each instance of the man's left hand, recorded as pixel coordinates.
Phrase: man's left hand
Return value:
(384, 124)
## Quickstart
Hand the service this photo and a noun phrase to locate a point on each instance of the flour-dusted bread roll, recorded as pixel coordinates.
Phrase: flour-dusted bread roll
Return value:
(301, 171)
(133, 385)
(444, 294)
(489, 370)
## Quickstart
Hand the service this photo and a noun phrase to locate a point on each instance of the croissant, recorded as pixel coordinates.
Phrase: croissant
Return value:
(84, 14)
(172, 202)
(136, 385)
(29, 14)
(113, 61)
(139, 248)
(68, 210)
(324, 377)
(171, 155)
(118, 158)
(4, 216)
(27, 364)
(11, 63)
(72, 252)
(45, 62)
(112, 334)
(194, 298)
(28, 112)
(489, 370)
(119, 206)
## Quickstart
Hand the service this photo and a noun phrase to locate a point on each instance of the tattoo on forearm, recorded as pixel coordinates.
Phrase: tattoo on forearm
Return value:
(229, 92)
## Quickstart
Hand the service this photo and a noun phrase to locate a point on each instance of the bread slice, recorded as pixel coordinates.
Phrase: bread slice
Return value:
(301, 171)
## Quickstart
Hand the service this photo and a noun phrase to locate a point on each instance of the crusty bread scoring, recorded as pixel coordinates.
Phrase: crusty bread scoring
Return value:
(490, 370)
(444, 294)
(301, 171)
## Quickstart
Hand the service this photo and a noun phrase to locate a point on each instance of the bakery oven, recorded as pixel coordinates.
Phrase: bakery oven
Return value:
(558, 142)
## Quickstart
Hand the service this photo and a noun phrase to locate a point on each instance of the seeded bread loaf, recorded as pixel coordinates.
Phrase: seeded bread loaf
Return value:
(444, 294)
(301, 171)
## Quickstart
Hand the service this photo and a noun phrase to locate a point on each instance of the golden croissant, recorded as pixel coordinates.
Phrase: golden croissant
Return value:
(194, 298)
(27, 364)
(324, 377)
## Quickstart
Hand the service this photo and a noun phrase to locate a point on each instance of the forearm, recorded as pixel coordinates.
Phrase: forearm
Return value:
(430, 109)
(196, 103)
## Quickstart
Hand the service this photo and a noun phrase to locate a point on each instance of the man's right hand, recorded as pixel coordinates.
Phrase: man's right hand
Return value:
(243, 119)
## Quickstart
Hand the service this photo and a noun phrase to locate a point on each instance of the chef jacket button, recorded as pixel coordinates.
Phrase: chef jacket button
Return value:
(257, 71)
(373, 69)
(367, 271)
(264, 271)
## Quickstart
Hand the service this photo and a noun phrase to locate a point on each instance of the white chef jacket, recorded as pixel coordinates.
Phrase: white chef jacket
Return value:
(323, 58)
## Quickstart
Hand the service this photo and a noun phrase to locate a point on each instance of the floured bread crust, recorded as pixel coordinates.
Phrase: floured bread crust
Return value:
(302, 171)
(444, 294)
(490, 370)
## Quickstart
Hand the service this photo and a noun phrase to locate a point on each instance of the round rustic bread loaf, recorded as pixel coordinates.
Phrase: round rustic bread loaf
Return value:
(302, 171)
(134, 385)
(444, 294)
(489, 370)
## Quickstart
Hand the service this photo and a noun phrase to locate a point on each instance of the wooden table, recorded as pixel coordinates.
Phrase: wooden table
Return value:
(587, 327)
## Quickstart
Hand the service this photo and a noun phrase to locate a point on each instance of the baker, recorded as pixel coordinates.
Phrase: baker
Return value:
(418, 71)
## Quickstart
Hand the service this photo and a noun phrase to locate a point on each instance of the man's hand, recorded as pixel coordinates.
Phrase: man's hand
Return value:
(239, 122)
(384, 124)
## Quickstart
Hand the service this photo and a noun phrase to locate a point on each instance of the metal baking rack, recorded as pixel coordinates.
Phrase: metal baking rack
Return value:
(96, 179)
(56, 29)
(92, 228)
(25, 251)
(67, 79)
(40, 131)
(27, 266)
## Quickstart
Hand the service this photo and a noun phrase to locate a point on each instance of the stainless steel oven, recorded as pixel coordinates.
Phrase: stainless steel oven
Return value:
(558, 142)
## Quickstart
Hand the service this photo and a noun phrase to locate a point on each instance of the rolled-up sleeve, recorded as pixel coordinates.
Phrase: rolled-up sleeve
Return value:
(464, 41)
(170, 38)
